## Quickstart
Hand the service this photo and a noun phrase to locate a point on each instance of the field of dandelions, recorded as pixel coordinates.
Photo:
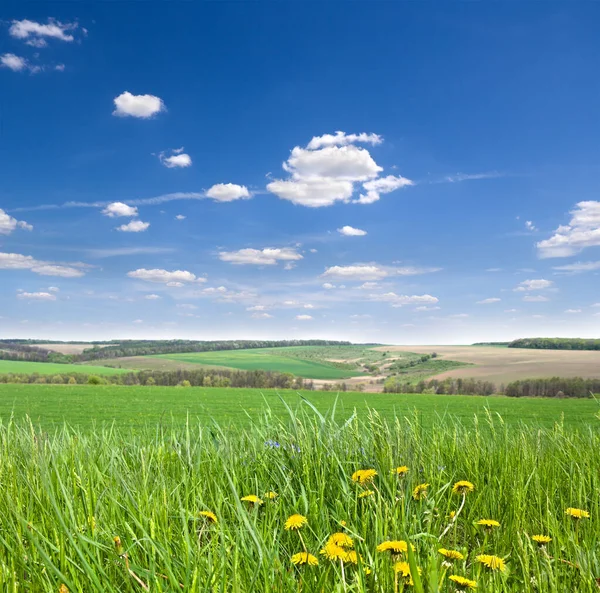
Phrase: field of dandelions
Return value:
(309, 504)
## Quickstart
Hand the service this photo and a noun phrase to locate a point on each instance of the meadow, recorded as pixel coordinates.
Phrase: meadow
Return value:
(282, 505)
(49, 368)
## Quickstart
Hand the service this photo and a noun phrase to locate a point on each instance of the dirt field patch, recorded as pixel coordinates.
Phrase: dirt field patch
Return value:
(502, 365)
(66, 348)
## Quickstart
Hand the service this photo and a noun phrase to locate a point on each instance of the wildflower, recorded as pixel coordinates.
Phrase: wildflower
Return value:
(542, 540)
(452, 514)
(463, 582)
(420, 491)
(295, 522)
(403, 569)
(271, 495)
(488, 523)
(451, 554)
(364, 476)
(332, 551)
(118, 544)
(343, 523)
(463, 487)
(304, 558)
(397, 546)
(341, 539)
(63, 589)
(577, 513)
(400, 471)
(212, 518)
(492, 562)
(252, 499)
(352, 557)
(366, 493)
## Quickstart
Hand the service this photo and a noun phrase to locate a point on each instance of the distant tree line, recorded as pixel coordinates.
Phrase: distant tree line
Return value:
(557, 343)
(491, 343)
(26, 350)
(553, 387)
(443, 387)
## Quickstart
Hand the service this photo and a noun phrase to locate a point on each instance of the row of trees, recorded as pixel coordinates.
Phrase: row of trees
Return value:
(556, 343)
(554, 387)
(442, 387)
(20, 351)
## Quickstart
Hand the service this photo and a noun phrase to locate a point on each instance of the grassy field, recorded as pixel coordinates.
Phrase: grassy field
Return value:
(106, 511)
(136, 406)
(49, 368)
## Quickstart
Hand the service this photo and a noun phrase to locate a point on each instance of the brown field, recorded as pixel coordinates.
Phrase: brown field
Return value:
(66, 348)
(502, 365)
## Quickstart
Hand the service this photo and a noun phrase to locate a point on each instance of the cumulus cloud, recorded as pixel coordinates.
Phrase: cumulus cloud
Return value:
(180, 217)
(164, 276)
(116, 209)
(176, 158)
(328, 286)
(260, 257)
(489, 301)
(8, 224)
(578, 267)
(36, 296)
(135, 226)
(537, 284)
(351, 231)
(399, 300)
(342, 139)
(373, 271)
(583, 231)
(538, 298)
(34, 33)
(17, 261)
(303, 317)
(143, 106)
(369, 286)
(228, 192)
(383, 185)
(14, 62)
(313, 193)
(53, 289)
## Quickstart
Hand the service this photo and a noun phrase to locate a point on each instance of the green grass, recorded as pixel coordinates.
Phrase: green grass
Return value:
(137, 406)
(282, 360)
(67, 494)
(49, 368)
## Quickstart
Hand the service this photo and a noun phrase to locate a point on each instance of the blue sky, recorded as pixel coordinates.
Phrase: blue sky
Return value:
(388, 172)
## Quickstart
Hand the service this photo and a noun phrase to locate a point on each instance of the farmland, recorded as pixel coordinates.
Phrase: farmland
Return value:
(49, 368)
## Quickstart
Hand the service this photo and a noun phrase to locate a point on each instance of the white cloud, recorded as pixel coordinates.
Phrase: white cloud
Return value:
(152, 297)
(369, 286)
(289, 266)
(262, 316)
(176, 159)
(351, 231)
(530, 226)
(328, 286)
(372, 271)
(589, 266)
(538, 298)
(459, 316)
(458, 177)
(303, 317)
(228, 192)
(34, 31)
(116, 209)
(426, 308)
(180, 217)
(399, 300)
(53, 289)
(582, 231)
(383, 185)
(573, 311)
(538, 284)
(16, 261)
(143, 106)
(489, 301)
(257, 308)
(135, 226)
(342, 139)
(595, 305)
(313, 193)
(8, 224)
(36, 296)
(13, 62)
(164, 276)
(261, 257)
(187, 306)
(494, 270)
(175, 284)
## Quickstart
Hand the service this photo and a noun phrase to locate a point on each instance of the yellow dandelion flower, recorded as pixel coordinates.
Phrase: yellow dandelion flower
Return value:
(492, 562)
(420, 491)
(364, 476)
(463, 487)
(396, 546)
(118, 544)
(332, 551)
(212, 518)
(542, 540)
(295, 522)
(403, 569)
(367, 570)
(577, 513)
(343, 523)
(352, 557)
(304, 558)
(488, 523)
(366, 493)
(463, 582)
(451, 554)
(63, 589)
(271, 495)
(341, 539)
(400, 471)
(452, 514)
(252, 499)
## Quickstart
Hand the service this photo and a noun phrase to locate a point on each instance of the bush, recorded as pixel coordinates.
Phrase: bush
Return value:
(95, 380)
